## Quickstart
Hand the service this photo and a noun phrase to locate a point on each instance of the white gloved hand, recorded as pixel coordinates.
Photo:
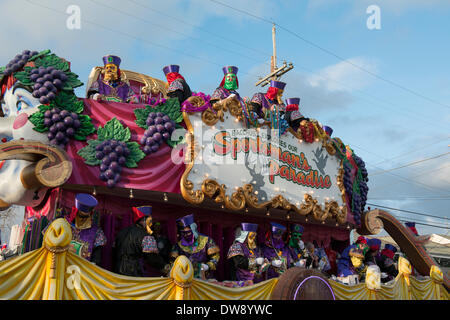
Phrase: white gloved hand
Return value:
(96, 96)
(276, 263)
(205, 267)
(259, 261)
(301, 244)
(261, 121)
(384, 275)
(231, 96)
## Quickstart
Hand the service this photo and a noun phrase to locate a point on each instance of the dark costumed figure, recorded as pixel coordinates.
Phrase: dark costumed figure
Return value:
(296, 245)
(135, 245)
(276, 251)
(87, 237)
(293, 115)
(372, 254)
(178, 87)
(200, 249)
(109, 86)
(245, 256)
(386, 263)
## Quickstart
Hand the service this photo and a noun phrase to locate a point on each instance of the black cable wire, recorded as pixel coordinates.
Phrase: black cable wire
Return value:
(413, 212)
(334, 55)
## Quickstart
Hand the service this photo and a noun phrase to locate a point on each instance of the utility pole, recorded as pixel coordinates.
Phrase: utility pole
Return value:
(275, 72)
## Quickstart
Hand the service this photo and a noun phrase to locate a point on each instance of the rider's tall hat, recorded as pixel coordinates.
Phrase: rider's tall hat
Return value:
(111, 59)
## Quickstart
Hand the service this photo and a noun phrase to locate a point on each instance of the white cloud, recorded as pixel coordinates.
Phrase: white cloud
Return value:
(344, 75)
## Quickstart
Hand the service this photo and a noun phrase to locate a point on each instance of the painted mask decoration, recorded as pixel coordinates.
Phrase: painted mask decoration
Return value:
(110, 72)
(230, 82)
(187, 237)
(251, 240)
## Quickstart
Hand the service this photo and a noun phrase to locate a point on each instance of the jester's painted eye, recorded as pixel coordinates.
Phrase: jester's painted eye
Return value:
(22, 103)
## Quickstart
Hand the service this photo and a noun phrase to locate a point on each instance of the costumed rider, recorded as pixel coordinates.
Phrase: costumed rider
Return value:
(269, 106)
(296, 245)
(135, 245)
(88, 238)
(351, 261)
(109, 86)
(200, 249)
(227, 90)
(247, 261)
(178, 87)
(293, 115)
(374, 245)
(276, 251)
(412, 226)
(386, 263)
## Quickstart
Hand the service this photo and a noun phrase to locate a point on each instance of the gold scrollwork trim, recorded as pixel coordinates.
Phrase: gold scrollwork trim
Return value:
(244, 196)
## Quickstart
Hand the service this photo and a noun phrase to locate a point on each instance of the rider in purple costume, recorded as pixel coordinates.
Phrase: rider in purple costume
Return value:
(270, 106)
(276, 251)
(200, 249)
(87, 238)
(228, 87)
(109, 87)
(246, 257)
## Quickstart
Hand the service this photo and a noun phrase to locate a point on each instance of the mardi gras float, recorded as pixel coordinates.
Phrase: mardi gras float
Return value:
(143, 143)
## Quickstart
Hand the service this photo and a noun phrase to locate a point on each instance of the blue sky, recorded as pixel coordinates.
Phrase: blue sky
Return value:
(379, 120)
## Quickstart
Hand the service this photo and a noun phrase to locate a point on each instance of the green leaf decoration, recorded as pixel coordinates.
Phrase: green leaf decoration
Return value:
(88, 153)
(23, 77)
(39, 55)
(85, 129)
(113, 129)
(141, 115)
(170, 108)
(135, 155)
(37, 119)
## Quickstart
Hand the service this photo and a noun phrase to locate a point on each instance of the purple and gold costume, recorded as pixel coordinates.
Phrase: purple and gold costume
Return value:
(87, 237)
(243, 259)
(275, 249)
(199, 249)
(117, 90)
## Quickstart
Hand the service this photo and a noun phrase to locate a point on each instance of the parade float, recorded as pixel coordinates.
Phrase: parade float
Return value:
(205, 158)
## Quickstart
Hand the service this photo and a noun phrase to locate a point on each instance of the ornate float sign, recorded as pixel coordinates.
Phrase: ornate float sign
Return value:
(257, 167)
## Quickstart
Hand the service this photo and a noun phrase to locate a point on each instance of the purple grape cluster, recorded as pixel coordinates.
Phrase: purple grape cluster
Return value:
(160, 127)
(19, 61)
(47, 83)
(358, 200)
(113, 155)
(363, 188)
(62, 126)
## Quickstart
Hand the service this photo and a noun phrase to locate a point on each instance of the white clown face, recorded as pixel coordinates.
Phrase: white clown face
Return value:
(17, 105)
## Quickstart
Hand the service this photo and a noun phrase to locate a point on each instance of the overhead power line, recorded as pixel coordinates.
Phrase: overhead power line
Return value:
(334, 55)
(410, 164)
(415, 176)
(412, 212)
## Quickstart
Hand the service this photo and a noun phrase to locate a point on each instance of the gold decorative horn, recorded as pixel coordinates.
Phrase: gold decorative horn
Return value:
(51, 165)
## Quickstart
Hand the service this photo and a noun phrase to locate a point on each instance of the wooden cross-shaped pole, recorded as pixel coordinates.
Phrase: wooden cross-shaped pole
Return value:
(275, 72)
